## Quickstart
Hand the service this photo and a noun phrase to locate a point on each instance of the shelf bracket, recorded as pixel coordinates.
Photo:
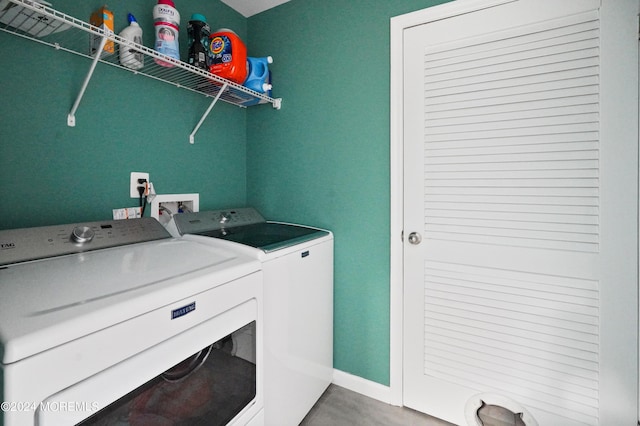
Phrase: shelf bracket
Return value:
(206, 113)
(71, 118)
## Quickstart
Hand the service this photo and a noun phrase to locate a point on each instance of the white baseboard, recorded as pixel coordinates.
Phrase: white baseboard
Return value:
(363, 386)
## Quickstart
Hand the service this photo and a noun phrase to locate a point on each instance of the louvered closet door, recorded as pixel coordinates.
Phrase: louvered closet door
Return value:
(520, 162)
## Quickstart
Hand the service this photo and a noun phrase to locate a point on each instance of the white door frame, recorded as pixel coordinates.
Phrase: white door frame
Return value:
(398, 25)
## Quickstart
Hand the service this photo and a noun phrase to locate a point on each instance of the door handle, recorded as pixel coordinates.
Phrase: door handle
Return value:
(415, 238)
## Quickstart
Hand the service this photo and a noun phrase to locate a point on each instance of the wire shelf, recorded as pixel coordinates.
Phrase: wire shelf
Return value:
(36, 21)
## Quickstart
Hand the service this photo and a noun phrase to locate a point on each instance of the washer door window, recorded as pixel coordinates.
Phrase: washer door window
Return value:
(208, 388)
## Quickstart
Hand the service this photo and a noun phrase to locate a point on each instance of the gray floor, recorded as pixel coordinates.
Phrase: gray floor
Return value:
(341, 407)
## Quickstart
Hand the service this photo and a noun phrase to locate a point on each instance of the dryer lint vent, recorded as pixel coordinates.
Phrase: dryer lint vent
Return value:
(495, 415)
(491, 409)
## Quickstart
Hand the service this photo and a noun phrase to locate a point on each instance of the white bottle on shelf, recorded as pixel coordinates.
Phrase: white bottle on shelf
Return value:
(130, 57)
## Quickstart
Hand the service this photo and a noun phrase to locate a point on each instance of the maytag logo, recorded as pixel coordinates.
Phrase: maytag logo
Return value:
(6, 246)
(177, 313)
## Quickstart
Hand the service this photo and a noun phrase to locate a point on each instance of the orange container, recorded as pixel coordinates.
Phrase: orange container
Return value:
(228, 56)
(102, 18)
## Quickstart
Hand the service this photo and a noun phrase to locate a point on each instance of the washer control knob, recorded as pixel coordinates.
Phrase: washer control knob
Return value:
(225, 217)
(82, 234)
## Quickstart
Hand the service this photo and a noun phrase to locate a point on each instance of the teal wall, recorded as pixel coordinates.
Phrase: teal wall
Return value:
(323, 159)
(51, 173)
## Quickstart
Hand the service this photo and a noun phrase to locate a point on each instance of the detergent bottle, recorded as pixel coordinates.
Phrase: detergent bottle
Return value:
(167, 25)
(258, 74)
(227, 56)
(198, 31)
(130, 57)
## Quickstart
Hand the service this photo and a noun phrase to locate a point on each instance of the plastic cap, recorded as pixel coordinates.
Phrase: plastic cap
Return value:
(225, 30)
(131, 18)
(198, 17)
(169, 2)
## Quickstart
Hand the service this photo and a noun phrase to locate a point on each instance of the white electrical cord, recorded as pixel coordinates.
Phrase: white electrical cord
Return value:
(150, 192)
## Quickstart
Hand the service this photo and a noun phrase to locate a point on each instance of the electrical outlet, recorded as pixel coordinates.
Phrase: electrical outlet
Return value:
(133, 183)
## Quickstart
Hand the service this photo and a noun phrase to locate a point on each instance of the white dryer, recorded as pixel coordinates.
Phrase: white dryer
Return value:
(117, 322)
(297, 266)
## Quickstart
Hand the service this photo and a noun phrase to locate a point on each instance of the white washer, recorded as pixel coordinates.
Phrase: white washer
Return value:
(92, 312)
(297, 265)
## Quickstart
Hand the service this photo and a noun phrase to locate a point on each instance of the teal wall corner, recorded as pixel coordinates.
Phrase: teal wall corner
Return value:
(323, 159)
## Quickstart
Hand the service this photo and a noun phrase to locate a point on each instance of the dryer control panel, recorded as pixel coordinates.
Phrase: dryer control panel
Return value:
(21, 245)
(211, 220)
